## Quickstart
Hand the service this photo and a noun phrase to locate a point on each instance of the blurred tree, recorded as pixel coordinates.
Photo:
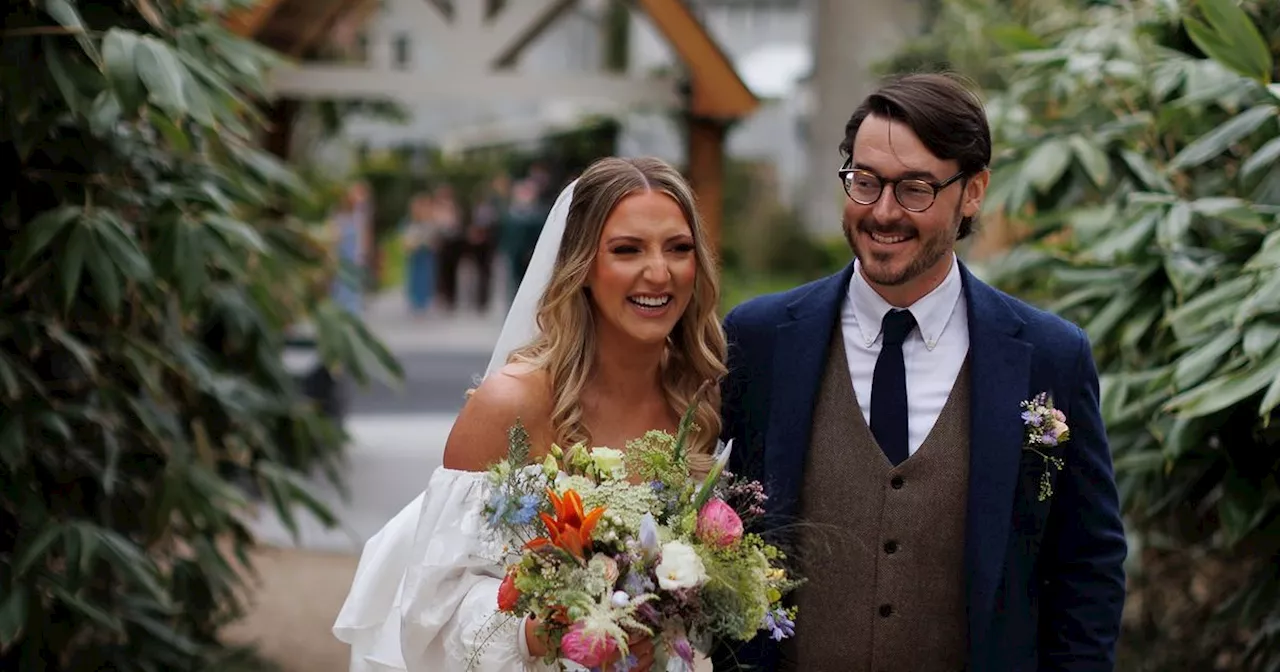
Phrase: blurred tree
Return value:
(148, 280)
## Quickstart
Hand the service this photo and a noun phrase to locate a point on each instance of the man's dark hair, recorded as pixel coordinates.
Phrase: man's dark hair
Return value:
(946, 115)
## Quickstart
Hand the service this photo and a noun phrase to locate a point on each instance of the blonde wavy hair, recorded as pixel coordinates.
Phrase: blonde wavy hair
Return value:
(565, 346)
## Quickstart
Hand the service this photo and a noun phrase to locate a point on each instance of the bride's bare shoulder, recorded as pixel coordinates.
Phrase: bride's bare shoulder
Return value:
(479, 436)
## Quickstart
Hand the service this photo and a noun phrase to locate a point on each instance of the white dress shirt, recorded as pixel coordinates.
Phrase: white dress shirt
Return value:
(933, 353)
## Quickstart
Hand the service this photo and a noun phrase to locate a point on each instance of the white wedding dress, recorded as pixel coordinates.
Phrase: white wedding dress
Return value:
(425, 594)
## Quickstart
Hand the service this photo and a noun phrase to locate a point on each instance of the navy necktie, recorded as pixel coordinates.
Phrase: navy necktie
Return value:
(889, 388)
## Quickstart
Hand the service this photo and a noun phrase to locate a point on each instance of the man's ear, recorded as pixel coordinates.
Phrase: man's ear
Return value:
(975, 189)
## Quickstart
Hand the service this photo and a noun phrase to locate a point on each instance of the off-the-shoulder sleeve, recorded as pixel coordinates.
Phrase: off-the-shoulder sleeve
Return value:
(425, 594)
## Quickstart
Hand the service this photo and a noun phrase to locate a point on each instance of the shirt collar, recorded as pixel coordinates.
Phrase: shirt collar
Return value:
(932, 312)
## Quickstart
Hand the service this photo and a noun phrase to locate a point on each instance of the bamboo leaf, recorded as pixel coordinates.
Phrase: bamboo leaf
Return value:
(129, 560)
(1217, 141)
(66, 15)
(1263, 158)
(1271, 399)
(71, 264)
(1144, 171)
(1225, 390)
(1174, 227)
(1268, 256)
(1195, 366)
(90, 611)
(83, 356)
(104, 114)
(162, 74)
(1093, 159)
(37, 235)
(1046, 163)
(13, 449)
(106, 283)
(62, 77)
(236, 232)
(119, 55)
(125, 253)
(1249, 54)
(36, 549)
(13, 616)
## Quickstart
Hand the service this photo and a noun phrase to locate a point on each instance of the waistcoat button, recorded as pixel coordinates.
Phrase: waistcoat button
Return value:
(890, 547)
(896, 482)
(886, 610)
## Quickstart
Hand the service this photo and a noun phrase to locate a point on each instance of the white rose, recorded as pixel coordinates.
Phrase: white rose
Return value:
(680, 567)
(609, 461)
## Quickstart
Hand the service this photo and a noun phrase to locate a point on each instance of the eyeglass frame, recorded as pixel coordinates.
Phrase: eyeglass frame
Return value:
(937, 187)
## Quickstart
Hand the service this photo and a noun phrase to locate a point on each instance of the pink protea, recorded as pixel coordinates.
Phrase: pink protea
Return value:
(586, 646)
(719, 524)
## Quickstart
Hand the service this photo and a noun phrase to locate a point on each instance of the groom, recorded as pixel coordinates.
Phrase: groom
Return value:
(882, 409)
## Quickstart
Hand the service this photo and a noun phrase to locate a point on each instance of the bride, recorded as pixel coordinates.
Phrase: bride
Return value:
(623, 333)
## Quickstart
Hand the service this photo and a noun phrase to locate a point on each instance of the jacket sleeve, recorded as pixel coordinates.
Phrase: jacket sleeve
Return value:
(1085, 547)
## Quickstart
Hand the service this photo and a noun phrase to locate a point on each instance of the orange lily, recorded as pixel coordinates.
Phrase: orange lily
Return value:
(570, 529)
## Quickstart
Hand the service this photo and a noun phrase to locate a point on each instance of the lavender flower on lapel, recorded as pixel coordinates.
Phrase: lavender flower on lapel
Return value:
(1046, 429)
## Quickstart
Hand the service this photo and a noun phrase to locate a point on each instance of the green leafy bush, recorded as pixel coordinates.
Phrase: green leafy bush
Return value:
(151, 268)
(1137, 146)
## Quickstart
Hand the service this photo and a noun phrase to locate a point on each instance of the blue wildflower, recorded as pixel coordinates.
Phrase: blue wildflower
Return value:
(527, 512)
(498, 505)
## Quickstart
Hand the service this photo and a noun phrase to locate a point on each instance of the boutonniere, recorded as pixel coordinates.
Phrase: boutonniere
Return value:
(1045, 430)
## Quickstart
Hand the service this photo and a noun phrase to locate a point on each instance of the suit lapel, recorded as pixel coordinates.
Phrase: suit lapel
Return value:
(1000, 383)
(799, 355)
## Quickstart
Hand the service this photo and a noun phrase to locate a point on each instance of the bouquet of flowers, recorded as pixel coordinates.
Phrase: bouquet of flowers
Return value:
(613, 544)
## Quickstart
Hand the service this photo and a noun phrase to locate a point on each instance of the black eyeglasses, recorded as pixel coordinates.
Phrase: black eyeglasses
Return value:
(913, 194)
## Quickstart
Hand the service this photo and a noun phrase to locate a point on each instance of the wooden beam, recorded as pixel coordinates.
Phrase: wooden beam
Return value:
(312, 34)
(705, 139)
(247, 22)
(519, 24)
(358, 81)
(718, 91)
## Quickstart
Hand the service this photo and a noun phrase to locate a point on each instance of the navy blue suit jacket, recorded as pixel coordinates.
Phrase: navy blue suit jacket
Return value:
(1045, 580)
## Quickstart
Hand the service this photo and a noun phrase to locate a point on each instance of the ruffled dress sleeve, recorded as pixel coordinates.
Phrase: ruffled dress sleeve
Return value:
(425, 594)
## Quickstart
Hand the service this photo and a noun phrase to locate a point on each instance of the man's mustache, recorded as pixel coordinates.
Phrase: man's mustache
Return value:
(874, 227)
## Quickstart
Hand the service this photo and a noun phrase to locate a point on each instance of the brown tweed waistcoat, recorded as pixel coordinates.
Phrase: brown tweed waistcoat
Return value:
(882, 548)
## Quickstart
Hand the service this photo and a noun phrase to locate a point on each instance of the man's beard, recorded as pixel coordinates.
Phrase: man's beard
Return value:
(931, 250)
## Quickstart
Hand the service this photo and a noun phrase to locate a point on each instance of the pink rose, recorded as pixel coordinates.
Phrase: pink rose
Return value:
(719, 524)
(588, 648)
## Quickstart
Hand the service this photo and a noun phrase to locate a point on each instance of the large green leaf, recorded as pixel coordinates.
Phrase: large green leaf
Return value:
(64, 12)
(119, 55)
(162, 74)
(1198, 364)
(1231, 38)
(1093, 158)
(1217, 141)
(1046, 163)
(1225, 390)
(37, 235)
(13, 616)
(71, 265)
(1263, 158)
(1174, 227)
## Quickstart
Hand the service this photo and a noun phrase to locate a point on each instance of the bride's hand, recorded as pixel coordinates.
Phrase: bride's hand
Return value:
(534, 638)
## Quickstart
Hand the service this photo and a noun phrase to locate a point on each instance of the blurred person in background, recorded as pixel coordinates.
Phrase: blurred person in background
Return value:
(520, 226)
(482, 235)
(447, 217)
(352, 236)
(420, 236)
